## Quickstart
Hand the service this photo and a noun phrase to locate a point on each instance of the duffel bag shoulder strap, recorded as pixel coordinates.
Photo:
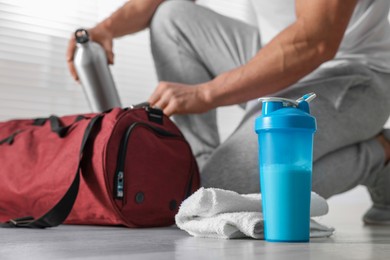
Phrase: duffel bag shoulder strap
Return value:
(61, 210)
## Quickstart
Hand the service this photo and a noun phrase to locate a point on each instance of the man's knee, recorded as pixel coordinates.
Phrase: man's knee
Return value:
(169, 16)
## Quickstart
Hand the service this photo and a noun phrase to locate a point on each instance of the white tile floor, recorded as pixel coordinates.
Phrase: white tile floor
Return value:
(352, 240)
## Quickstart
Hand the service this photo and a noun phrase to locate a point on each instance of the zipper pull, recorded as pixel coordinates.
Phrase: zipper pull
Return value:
(140, 105)
(119, 185)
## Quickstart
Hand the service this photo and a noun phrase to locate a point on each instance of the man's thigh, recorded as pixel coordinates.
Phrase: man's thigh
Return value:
(353, 105)
(185, 30)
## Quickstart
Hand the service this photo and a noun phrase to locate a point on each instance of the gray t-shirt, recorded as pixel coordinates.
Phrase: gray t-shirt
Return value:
(366, 40)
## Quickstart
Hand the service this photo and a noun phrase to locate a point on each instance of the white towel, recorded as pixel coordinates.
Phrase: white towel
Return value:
(217, 213)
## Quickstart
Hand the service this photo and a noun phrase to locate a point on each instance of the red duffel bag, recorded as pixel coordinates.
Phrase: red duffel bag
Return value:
(128, 167)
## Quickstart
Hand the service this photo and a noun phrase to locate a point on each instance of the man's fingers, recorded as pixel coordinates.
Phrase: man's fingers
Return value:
(110, 57)
(72, 70)
(152, 99)
(71, 48)
(161, 104)
(69, 57)
(169, 109)
(155, 97)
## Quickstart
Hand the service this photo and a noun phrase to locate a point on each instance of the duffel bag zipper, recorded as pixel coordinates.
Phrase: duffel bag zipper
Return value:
(119, 173)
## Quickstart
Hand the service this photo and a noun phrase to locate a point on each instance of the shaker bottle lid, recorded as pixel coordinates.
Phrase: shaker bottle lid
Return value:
(81, 35)
(281, 113)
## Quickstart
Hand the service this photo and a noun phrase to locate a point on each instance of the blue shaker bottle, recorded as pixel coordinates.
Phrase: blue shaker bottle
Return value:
(285, 133)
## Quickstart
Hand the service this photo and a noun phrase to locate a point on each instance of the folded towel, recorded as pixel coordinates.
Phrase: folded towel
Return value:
(226, 214)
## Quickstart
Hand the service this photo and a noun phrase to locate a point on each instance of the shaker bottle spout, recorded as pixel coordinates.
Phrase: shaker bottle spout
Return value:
(307, 97)
(271, 104)
(303, 102)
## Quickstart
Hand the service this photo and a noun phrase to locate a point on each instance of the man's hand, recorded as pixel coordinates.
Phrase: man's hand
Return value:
(175, 98)
(133, 16)
(96, 34)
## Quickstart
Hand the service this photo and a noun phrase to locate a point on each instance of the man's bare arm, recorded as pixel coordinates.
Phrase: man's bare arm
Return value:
(133, 16)
(298, 50)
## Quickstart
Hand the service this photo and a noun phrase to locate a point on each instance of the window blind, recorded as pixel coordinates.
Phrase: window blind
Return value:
(34, 79)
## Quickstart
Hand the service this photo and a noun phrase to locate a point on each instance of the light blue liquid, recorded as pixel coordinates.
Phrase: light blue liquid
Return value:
(286, 191)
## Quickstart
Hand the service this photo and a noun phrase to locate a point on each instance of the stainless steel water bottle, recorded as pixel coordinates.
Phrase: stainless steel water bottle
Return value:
(92, 68)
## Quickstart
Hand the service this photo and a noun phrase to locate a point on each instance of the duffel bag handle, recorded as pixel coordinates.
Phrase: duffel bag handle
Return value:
(10, 139)
(61, 210)
(58, 128)
(55, 124)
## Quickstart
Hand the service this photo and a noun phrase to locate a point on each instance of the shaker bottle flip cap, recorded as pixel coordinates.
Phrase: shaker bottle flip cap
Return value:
(282, 113)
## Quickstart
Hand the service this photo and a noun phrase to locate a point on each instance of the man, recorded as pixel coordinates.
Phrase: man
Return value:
(339, 49)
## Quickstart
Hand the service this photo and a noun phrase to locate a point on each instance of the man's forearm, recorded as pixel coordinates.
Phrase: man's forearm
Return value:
(298, 50)
(278, 65)
(133, 16)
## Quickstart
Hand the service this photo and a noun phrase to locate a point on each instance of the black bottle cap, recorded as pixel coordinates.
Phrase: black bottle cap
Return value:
(81, 35)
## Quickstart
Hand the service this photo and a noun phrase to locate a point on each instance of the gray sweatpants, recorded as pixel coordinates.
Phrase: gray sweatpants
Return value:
(192, 44)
